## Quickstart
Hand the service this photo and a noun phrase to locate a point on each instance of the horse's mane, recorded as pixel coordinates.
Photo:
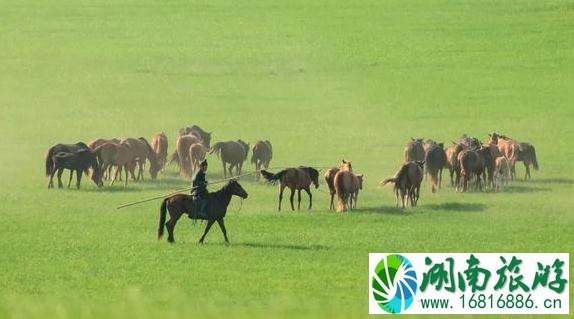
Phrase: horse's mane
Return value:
(151, 153)
(313, 173)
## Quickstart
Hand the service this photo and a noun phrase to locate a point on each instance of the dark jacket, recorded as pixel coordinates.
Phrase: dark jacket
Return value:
(200, 183)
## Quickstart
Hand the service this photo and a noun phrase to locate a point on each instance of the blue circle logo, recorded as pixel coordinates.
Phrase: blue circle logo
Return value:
(394, 284)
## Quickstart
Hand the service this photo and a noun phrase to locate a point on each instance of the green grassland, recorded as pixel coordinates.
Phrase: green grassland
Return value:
(323, 80)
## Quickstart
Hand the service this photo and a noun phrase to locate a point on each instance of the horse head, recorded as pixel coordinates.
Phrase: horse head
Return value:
(236, 189)
(314, 175)
(346, 166)
(360, 178)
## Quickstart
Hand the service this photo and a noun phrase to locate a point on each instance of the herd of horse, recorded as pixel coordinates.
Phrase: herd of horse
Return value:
(488, 165)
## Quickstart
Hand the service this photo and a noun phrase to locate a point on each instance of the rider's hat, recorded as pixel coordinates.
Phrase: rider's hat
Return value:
(203, 163)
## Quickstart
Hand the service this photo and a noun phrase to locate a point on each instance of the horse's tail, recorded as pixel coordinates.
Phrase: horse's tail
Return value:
(270, 177)
(174, 158)
(49, 161)
(253, 158)
(397, 176)
(534, 160)
(340, 191)
(216, 148)
(162, 214)
(388, 180)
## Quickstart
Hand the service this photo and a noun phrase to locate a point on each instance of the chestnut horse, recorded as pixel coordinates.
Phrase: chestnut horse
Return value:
(414, 150)
(297, 179)
(347, 186)
(159, 145)
(330, 179)
(141, 152)
(435, 161)
(115, 155)
(407, 183)
(508, 147)
(197, 153)
(180, 204)
(181, 153)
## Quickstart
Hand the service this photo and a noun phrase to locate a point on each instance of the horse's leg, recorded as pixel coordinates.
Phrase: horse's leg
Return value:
(78, 178)
(115, 175)
(223, 230)
(281, 189)
(310, 197)
(439, 178)
(70, 180)
(331, 204)
(60, 171)
(224, 169)
(527, 174)
(451, 172)
(291, 198)
(170, 225)
(51, 182)
(126, 168)
(356, 199)
(299, 199)
(209, 223)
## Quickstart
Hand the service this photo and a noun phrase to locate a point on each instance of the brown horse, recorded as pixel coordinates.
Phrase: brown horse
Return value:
(118, 156)
(414, 150)
(473, 163)
(407, 182)
(262, 155)
(198, 132)
(330, 179)
(106, 174)
(509, 149)
(435, 161)
(197, 153)
(347, 186)
(181, 153)
(233, 153)
(159, 144)
(180, 204)
(296, 178)
(452, 161)
(501, 173)
(141, 152)
(80, 161)
(527, 155)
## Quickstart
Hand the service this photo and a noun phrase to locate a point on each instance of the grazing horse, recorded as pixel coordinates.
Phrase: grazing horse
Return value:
(296, 178)
(180, 204)
(181, 153)
(101, 141)
(473, 163)
(347, 186)
(330, 179)
(435, 161)
(118, 155)
(407, 182)
(509, 149)
(262, 155)
(414, 150)
(62, 148)
(198, 132)
(159, 145)
(527, 155)
(79, 161)
(501, 173)
(197, 153)
(233, 153)
(141, 151)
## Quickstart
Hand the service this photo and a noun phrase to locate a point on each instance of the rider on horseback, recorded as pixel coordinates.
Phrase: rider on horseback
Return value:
(199, 191)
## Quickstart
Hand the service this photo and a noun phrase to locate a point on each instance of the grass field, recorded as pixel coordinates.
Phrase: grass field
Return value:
(323, 80)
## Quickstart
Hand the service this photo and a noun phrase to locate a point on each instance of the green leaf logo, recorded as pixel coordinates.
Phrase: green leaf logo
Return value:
(394, 283)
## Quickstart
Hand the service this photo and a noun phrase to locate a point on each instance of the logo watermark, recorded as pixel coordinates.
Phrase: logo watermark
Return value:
(467, 283)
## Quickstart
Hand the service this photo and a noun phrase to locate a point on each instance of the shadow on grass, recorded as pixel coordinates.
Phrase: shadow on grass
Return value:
(391, 210)
(513, 188)
(457, 207)
(279, 246)
(563, 181)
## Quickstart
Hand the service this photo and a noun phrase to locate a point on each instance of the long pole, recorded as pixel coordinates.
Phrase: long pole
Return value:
(177, 191)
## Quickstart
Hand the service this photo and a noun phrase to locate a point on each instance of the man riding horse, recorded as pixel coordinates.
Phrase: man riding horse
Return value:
(199, 192)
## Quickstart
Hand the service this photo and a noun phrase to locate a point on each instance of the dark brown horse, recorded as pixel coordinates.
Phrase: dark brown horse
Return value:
(262, 155)
(62, 148)
(473, 163)
(233, 153)
(180, 204)
(414, 150)
(80, 162)
(527, 155)
(297, 179)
